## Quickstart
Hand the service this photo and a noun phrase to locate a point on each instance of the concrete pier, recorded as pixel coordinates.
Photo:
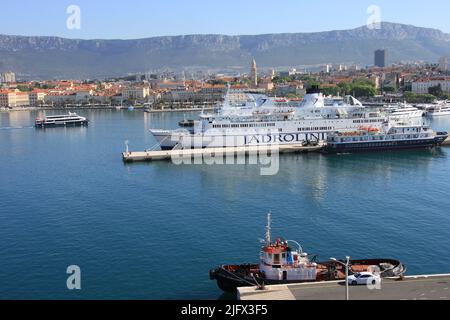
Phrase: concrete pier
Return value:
(446, 142)
(431, 287)
(140, 156)
(215, 152)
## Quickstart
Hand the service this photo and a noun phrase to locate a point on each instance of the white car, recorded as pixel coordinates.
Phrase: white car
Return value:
(364, 278)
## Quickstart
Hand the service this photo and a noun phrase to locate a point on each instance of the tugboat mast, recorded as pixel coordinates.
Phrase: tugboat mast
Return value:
(268, 236)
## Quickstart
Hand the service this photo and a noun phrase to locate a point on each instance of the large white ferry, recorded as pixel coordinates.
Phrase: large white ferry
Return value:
(266, 122)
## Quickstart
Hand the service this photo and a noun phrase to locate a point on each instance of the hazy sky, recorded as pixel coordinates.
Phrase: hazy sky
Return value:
(145, 18)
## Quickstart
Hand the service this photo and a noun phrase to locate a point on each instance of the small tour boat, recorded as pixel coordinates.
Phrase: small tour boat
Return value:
(281, 263)
(404, 111)
(438, 111)
(72, 119)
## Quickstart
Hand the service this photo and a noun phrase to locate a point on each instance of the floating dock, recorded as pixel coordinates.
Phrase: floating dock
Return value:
(431, 287)
(216, 152)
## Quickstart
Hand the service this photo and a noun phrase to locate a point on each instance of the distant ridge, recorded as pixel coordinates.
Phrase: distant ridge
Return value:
(53, 57)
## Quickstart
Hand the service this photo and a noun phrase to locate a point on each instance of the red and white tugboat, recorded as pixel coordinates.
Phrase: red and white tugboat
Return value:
(281, 263)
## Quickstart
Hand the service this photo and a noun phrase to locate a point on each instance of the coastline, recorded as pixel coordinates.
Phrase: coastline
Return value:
(109, 108)
(181, 110)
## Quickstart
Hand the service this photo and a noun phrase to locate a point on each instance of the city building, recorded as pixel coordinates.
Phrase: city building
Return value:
(36, 98)
(60, 98)
(139, 93)
(169, 85)
(83, 95)
(381, 58)
(14, 99)
(290, 72)
(443, 64)
(8, 77)
(422, 86)
(238, 94)
(288, 89)
(22, 100)
(7, 97)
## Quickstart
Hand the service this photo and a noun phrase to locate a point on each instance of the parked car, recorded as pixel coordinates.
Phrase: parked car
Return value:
(363, 278)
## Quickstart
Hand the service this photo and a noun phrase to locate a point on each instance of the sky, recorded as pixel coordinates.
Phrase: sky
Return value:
(131, 19)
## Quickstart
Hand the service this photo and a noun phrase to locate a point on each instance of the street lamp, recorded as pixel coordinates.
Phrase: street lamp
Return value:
(347, 267)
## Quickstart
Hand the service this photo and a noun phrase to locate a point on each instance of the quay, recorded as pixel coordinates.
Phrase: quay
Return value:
(216, 152)
(142, 156)
(446, 142)
(431, 287)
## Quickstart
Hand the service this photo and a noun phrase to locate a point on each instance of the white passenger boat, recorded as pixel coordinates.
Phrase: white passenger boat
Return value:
(391, 137)
(404, 111)
(72, 119)
(438, 110)
(267, 123)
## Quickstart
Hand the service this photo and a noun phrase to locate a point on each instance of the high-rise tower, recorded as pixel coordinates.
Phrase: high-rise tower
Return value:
(381, 58)
(254, 74)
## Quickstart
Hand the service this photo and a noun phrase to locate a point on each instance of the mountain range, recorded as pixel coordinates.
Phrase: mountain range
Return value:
(54, 57)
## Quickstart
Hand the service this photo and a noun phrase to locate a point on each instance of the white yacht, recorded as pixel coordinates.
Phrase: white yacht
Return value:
(442, 109)
(268, 123)
(404, 111)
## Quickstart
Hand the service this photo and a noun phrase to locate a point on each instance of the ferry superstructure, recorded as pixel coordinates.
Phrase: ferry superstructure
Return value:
(268, 123)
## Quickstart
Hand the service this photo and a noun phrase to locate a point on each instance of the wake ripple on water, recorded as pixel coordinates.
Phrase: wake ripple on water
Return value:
(15, 128)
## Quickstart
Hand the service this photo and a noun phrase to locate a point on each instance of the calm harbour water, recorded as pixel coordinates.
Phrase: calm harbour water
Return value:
(153, 230)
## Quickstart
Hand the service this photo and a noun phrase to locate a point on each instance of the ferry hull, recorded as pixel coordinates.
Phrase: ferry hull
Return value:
(69, 124)
(385, 146)
(438, 114)
(230, 278)
(169, 140)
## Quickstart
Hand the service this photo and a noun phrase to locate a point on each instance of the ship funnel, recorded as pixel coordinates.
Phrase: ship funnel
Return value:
(313, 100)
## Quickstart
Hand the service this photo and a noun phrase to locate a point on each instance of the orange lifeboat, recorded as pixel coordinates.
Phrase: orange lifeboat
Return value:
(368, 129)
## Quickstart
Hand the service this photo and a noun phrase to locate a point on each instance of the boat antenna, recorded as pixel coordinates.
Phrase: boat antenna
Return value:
(269, 222)
(126, 146)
